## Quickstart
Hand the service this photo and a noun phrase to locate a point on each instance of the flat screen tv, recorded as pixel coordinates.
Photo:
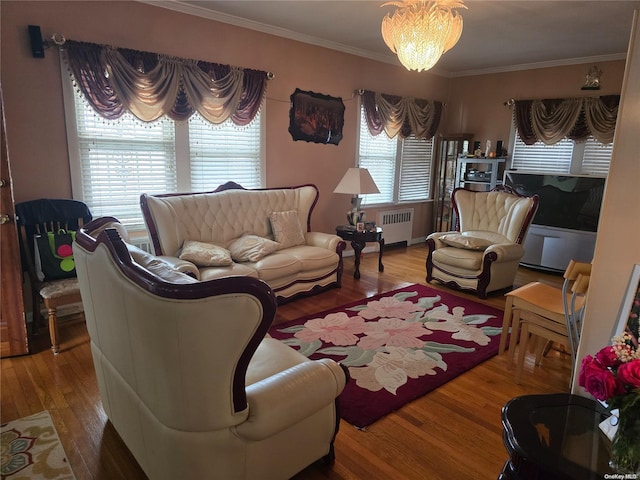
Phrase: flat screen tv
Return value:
(566, 201)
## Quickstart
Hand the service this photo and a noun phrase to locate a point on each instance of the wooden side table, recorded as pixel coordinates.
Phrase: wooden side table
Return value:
(359, 240)
(555, 437)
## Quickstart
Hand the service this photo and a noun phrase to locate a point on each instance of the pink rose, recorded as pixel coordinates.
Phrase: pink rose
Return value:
(629, 373)
(598, 380)
(607, 357)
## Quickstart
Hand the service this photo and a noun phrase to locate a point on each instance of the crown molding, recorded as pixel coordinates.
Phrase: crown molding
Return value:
(178, 6)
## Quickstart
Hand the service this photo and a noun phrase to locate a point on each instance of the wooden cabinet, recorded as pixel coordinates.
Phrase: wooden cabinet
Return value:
(449, 148)
(479, 173)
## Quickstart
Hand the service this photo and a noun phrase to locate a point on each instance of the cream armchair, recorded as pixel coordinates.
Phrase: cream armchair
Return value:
(483, 254)
(188, 375)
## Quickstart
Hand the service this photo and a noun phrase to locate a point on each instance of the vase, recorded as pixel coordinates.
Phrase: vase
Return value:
(625, 447)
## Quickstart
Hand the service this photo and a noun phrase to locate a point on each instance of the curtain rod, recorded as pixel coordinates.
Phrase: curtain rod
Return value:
(38, 44)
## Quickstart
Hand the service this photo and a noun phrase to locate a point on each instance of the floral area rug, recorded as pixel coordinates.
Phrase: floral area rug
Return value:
(398, 346)
(31, 449)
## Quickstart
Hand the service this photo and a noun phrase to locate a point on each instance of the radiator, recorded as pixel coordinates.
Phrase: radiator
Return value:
(142, 243)
(397, 225)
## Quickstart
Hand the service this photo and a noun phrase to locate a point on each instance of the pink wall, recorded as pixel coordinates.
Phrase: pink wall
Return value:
(35, 116)
(476, 103)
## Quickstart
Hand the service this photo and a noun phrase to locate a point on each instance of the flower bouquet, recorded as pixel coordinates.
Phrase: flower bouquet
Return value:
(613, 376)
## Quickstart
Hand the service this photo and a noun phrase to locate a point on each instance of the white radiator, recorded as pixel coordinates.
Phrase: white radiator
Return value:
(397, 225)
(142, 243)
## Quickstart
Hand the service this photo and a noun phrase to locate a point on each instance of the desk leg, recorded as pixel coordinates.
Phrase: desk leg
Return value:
(380, 265)
(357, 249)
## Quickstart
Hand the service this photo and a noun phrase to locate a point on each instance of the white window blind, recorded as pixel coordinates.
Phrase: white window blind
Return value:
(589, 157)
(120, 159)
(114, 162)
(415, 172)
(225, 152)
(542, 158)
(401, 168)
(378, 155)
(596, 157)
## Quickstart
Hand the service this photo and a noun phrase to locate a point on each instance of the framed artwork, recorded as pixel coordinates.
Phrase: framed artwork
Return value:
(316, 118)
(630, 308)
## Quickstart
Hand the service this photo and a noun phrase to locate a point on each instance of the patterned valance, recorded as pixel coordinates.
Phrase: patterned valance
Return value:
(151, 85)
(401, 115)
(551, 120)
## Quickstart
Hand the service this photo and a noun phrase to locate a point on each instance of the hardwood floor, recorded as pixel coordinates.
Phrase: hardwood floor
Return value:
(451, 433)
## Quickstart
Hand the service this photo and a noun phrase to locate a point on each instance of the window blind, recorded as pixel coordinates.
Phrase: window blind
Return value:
(415, 171)
(542, 158)
(225, 152)
(120, 159)
(596, 157)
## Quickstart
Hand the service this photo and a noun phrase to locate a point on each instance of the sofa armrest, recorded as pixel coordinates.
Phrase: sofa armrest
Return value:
(324, 240)
(182, 266)
(284, 399)
(506, 251)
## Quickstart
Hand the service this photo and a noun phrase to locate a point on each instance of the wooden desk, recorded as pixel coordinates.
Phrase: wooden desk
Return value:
(359, 240)
(555, 437)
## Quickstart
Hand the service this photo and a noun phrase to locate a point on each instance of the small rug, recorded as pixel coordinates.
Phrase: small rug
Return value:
(398, 346)
(31, 449)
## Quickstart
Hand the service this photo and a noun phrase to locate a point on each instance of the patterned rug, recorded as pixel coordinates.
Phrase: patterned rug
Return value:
(31, 449)
(398, 346)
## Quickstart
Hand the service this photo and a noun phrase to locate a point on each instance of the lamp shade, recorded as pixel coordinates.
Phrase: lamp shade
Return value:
(357, 181)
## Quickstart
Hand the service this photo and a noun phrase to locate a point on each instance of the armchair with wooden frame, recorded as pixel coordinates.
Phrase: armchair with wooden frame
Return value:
(37, 217)
(483, 254)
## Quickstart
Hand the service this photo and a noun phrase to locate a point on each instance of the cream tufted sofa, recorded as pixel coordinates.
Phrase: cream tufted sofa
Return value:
(225, 215)
(484, 253)
(187, 374)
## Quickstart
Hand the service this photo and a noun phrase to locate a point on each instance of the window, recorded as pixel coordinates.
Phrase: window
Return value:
(566, 156)
(113, 162)
(401, 168)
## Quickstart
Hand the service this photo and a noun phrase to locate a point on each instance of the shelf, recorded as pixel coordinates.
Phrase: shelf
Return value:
(489, 174)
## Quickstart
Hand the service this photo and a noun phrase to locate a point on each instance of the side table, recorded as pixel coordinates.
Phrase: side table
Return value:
(359, 240)
(554, 437)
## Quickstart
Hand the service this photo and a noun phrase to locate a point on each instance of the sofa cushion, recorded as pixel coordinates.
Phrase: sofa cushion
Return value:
(234, 270)
(286, 228)
(313, 258)
(461, 240)
(458, 257)
(251, 248)
(205, 254)
(277, 265)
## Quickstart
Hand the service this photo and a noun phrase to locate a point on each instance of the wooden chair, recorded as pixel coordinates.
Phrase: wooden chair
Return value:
(36, 217)
(550, 313)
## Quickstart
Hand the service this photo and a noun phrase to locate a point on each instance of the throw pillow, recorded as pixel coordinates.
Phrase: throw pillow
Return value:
(465, 241)
(286, 227)
(251, 248)
(205, 254)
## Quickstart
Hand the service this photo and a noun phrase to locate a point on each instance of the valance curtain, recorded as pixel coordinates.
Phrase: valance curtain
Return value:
(401, 115)
(551, 120)
(150, 85)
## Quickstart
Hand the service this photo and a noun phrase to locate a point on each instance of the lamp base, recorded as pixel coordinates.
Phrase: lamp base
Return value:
(354, 217)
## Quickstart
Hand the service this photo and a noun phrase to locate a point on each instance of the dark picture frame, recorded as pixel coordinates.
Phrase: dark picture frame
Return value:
(316, 118)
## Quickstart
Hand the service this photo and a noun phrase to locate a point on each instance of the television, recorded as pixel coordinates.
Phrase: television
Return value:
(565, 201)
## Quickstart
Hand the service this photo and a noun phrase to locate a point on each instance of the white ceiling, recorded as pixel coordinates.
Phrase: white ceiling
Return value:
(498, 35)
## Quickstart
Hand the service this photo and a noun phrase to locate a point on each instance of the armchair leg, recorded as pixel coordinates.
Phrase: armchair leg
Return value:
(53, 329)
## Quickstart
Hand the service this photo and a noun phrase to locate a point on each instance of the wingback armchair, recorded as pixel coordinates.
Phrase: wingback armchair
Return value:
(187, 373)
(483, 254)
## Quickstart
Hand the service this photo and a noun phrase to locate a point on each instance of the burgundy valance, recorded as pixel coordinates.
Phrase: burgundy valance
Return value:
(401, 115)
(151, 85)
(551, 120)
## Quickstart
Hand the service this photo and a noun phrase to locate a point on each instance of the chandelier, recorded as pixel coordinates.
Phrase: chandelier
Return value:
(420, 31)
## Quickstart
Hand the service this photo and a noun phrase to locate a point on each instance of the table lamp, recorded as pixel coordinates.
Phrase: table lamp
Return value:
(356, 181)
